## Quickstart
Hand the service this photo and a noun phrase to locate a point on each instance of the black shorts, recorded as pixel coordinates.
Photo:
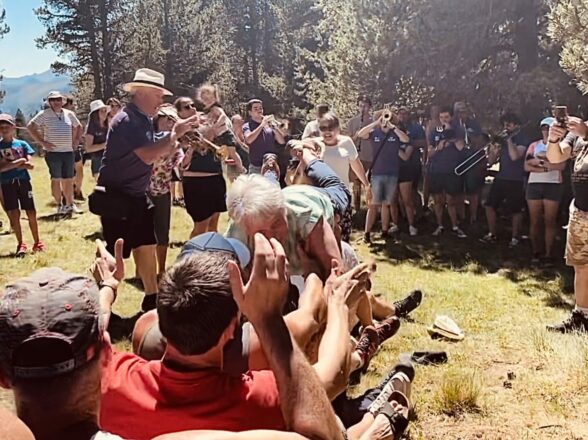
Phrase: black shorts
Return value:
(137, 230)
(204, 196)
(509, 192)
(473, 182)
(545, 191)
(445, 183)
(18, 193)
(408, 173)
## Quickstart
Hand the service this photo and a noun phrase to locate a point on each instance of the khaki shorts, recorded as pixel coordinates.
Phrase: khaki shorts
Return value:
(577, 237)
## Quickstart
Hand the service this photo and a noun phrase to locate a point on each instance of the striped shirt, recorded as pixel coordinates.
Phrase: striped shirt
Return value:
(57, 128)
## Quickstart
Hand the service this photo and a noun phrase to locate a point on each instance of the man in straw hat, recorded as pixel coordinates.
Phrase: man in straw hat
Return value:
(58, 131)
(120, 198)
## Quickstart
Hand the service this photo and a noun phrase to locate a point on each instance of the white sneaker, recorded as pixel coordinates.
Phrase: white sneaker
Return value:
(393, 229)
(73, 208)
(413, 231)
(513, 242)
(62, 210)
(438, 231)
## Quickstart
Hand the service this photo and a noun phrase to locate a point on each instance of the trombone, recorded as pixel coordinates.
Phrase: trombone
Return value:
(475, 159)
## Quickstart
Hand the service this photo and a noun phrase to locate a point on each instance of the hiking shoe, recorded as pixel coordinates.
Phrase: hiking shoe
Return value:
(458, 232)
(21, 250)
(438, 231)
(413, 231)
(367, 346)
(408, 304)
(367, 238)
(577, 322)
(489, 238)
(514, 242)
(387, 386)
(387, 328)
(39, 246)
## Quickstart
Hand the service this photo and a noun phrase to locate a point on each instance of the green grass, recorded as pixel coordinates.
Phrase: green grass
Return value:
(499, 302)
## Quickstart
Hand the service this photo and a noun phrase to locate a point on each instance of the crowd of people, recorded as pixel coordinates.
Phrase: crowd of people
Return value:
(256, 333)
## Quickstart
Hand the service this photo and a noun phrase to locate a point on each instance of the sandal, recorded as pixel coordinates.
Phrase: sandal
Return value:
(398, 420)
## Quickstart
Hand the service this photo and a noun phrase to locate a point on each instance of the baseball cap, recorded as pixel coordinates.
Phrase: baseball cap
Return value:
(50, 324)
(547, 121)
(5, 117)
(215, 242)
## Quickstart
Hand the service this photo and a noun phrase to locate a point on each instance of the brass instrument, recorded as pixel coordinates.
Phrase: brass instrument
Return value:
(196, 140)
(479, 156)
(389, 115)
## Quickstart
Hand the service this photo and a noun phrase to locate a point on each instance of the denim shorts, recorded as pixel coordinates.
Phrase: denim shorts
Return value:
(61, 165)
(384, 189)
(96, 161)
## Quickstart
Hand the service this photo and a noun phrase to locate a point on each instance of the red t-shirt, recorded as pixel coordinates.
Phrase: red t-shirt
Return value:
(143, 399)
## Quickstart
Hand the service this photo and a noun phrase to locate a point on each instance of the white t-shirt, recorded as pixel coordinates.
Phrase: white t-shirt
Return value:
(539, 150)
(338, 157)
(57, 128)
(311, 130)
(101, 435)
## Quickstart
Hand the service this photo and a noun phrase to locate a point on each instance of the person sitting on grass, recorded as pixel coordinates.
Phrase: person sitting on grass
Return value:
(17, 192)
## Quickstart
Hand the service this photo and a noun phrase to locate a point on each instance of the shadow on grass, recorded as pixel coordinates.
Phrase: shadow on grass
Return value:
(94, 236)
(53, 217)
(448, 252)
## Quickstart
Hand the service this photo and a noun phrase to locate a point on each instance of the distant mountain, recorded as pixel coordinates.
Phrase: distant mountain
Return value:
(28, 92)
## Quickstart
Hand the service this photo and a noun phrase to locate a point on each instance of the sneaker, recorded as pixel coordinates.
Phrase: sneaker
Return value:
(408, 304)
(75, 210)
(387, 328)
(62, 210)
(39, 246)
(438, 231)
(406, 367)
(413, 231)
(577, 322)
(79, 196)
(458, 232)
(367, 238)
(21, 250)
(489, 238)
(367, 346)
(393, 229)
(514, 242)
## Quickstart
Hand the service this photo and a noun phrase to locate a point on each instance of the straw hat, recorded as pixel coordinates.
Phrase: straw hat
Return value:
(55, 95)
(147, 78)
(97, 105)
(446, 327)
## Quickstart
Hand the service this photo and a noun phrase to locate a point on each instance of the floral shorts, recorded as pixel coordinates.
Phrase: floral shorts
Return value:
(577, 237)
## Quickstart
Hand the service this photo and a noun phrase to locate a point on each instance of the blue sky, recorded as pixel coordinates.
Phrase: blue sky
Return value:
(20, 55)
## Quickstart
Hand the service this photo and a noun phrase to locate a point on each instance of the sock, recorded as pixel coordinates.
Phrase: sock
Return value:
(582, 310)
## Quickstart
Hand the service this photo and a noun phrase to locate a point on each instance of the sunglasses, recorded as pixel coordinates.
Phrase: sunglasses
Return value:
(188, 106)
(326, 128)
(55, 100)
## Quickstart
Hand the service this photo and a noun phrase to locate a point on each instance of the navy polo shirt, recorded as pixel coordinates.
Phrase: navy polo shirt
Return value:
(513, 169)
(122, 170)
(445, 161)
(387, 163)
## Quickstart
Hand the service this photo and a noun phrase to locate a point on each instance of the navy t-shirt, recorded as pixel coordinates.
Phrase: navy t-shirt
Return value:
(11, 151)
(208, 162)
(509, 169)
(445, 161)
(387, 163)
(98, 132)
(263, 144)
(122, 169)
(415, 132)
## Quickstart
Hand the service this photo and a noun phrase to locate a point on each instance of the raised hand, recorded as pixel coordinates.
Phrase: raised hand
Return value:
(265, 293)
(183, 126)
(347, 287)
(578, 127)
(109, 269)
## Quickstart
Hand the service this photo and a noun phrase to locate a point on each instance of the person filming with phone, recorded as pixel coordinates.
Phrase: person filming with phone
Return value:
(568, 139)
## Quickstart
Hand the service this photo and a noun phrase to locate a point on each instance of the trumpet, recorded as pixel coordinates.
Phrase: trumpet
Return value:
(196, 140)
(388, 115)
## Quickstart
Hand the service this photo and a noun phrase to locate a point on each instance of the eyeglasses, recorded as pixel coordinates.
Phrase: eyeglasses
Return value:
(188, 106)
(55, 100)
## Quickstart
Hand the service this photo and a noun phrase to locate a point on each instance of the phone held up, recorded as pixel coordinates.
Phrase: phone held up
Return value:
(560, 113)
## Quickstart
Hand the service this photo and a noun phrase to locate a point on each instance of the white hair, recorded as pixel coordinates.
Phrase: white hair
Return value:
(253, 198)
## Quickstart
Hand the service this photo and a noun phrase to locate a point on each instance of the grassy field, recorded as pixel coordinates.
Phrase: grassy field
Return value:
(508, 379)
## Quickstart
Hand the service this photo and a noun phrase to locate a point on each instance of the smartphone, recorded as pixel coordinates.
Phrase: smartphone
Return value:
(560, 113)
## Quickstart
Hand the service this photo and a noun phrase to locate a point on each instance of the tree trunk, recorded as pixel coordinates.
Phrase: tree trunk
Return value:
(105, 6)
(87, 14)
(526, 34)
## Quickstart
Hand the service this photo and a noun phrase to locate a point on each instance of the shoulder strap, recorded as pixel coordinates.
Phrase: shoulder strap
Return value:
(379, 150)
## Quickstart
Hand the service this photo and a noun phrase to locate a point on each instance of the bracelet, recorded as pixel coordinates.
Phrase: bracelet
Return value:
(102, 285)
(553, 142)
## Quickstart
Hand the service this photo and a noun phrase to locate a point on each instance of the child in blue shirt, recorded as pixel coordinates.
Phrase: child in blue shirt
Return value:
(15, 183)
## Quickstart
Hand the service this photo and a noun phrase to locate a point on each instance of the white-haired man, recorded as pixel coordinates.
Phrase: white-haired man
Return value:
(58, 131)
(120, 198)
